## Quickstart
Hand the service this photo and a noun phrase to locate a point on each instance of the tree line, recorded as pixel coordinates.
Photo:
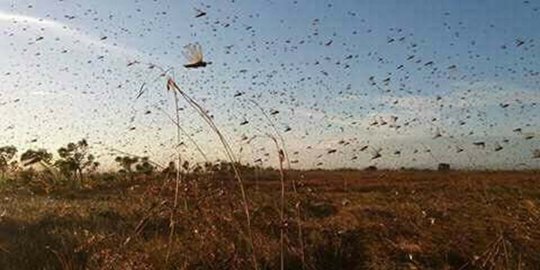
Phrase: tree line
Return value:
(75, 160)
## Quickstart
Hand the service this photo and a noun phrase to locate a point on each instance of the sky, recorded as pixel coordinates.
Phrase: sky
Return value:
(345, 83)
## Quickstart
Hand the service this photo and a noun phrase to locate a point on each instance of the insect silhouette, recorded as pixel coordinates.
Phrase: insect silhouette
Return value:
(200, 13)
(194, 55)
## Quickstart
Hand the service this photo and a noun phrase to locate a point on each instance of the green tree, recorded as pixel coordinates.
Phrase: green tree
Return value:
(34, 156)
(170, 170)
(75, 159)
(126, 163)
(7, 153)
(144, 166)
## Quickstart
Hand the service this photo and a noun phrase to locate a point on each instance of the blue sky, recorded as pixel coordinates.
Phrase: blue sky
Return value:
(339, 72)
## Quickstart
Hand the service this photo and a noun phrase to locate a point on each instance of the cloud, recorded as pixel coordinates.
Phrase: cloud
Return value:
(477, 96)
(17, 18)
(64, 29)
(48, 93)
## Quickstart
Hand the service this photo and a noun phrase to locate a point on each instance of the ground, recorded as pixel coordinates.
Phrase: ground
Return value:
(342, 219)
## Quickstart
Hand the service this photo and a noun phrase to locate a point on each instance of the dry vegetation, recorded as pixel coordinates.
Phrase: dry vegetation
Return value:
(349, 220)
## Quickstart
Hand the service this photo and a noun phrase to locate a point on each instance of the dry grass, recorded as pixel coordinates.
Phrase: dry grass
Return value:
(351, 220)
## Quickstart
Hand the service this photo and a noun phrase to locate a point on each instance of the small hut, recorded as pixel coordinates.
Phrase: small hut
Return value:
(444, 167)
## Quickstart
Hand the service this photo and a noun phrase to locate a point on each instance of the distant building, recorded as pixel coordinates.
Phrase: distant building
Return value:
(444, 167)
(371, 168)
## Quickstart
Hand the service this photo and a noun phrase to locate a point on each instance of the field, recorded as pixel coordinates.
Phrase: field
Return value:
(342, 219)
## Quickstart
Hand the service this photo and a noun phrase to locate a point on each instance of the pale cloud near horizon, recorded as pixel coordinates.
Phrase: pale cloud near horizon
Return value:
(60, 28)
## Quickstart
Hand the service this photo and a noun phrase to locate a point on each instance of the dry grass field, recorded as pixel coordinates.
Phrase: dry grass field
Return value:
(269, 134)
(335, 220)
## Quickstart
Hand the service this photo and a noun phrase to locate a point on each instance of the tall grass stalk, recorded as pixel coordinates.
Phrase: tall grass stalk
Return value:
(171, 84)
(172, 223)
(178, 126)
(281, 158)
(298, 205)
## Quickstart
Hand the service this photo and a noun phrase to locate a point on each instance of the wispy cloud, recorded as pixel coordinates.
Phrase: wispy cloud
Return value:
(18, 18)
(479, 96)
(64, 29)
